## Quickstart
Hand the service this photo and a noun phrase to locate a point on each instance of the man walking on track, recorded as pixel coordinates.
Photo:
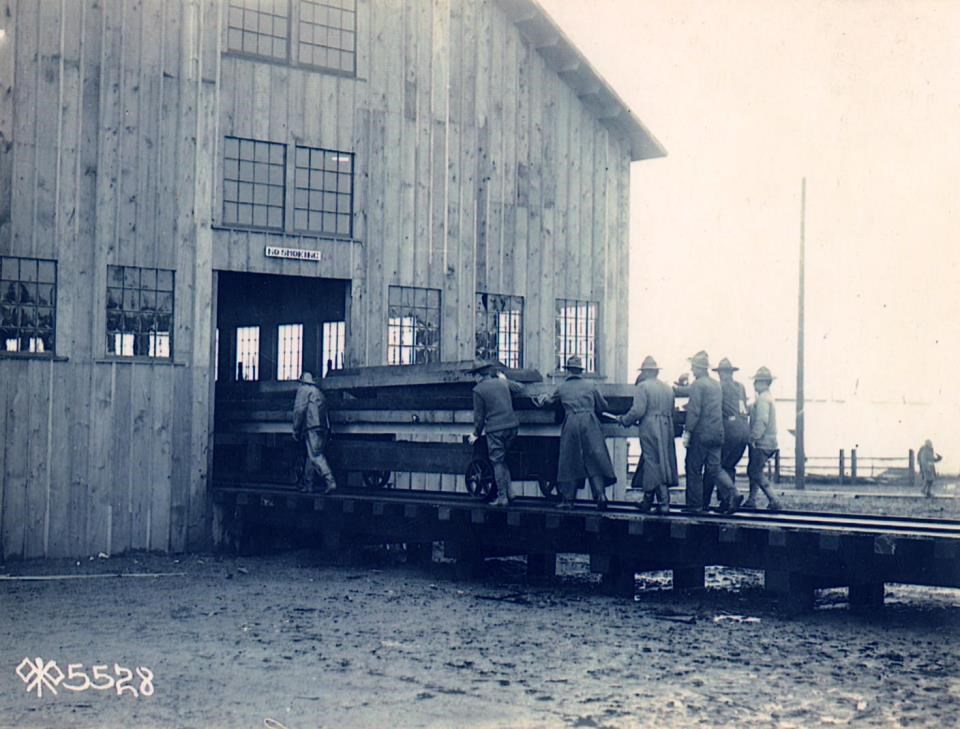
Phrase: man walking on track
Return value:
(653, 409)
(763, 440)
(493, 414)
(703, 439)
(311, 424)
(583, 451)
(736, 429)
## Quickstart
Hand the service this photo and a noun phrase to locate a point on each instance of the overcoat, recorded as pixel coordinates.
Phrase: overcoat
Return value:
(583, 451)
(653, 409)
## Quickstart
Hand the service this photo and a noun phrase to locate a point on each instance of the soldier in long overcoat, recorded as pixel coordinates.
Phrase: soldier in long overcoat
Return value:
(653, 409)
(311, 424)
(583, 451)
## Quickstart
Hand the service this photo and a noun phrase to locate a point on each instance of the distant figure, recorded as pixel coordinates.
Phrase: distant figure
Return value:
(583, 451)
(703, 439)
(493, 414)
(311, 424)
(926, 458)
(653, 409)
(736, 430)
(763, 440)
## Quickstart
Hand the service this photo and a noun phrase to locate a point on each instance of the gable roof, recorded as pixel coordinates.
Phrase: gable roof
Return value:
(563, 57)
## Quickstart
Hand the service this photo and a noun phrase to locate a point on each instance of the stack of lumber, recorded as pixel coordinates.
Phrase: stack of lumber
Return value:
(435, 398)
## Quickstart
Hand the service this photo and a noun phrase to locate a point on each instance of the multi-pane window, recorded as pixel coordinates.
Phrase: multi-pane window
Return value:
(323, 194)
(259, 27)
(253, 183)
(139, 311)
(334, 345)
(326, 36)
(248, 353)
(577, 332)
(289, 351)
(28, 303)
(328, 33)
(500, 328)
(413, 328)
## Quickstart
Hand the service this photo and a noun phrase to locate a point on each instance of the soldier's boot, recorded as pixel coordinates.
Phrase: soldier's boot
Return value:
(773, 504)
(327, 475)
(751, 502)
(645, 504)
(663, 491)
(597, 488)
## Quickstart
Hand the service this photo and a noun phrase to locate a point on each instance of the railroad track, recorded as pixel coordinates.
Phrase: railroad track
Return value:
(786, 519)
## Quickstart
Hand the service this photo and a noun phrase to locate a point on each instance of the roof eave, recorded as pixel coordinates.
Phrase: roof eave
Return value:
(563, 57)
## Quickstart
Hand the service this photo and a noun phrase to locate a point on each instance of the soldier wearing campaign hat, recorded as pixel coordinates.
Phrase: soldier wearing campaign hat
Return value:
(703, 439)
(763, 440)
(311, 424)
(735, 425)
(583, 451)
(652, 410)
(493, 414)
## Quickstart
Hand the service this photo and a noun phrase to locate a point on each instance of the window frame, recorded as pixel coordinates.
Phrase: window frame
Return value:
(333, 340)
(282, 228)
(238, 354)
(323, 191)
(289, 188)
(124, 312)
(403, 292)
(484, 310)
(294, 29)
(593, 312)
(296, 351)
(34, 305)
(352, 72)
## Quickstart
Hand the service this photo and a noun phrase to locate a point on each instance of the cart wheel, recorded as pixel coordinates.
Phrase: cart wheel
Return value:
(376, 479)
(480, 480)
(548, 489)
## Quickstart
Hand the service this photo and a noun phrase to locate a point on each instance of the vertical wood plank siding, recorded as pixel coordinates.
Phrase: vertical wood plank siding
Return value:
(476, 168)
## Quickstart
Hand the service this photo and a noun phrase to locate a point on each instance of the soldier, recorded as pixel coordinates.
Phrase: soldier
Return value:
(703, 439)
(763, 440)
(583, 452)
(653, 409)
(493, 414)
(735, 428)
(311, 424)
(926, 458)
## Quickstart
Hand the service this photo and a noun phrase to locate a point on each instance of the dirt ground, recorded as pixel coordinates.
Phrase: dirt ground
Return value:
(284, 641)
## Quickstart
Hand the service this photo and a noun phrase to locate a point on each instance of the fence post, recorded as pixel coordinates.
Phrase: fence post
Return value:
(912, 458)
(843, 469)
(776, 467)
(853, 465)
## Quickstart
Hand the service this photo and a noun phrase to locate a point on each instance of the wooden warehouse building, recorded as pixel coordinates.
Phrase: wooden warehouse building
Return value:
(204, 192)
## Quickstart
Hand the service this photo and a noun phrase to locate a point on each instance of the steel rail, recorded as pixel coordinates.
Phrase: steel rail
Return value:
(823, 521)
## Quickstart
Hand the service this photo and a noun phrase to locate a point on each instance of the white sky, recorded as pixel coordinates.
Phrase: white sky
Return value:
(748, 97)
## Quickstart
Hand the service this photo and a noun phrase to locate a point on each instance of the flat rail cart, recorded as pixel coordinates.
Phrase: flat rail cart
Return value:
(388, 420)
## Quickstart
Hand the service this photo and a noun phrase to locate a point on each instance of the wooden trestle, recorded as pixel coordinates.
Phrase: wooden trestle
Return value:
(797, 555)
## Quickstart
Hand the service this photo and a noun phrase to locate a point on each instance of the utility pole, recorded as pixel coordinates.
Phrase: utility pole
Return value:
(801, 467)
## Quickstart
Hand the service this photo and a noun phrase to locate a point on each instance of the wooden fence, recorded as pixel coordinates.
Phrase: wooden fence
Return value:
(845, 467)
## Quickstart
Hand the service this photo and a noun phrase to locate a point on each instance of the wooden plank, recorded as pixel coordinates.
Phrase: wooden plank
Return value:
(59, 422)
(435, 373)
(16, 444)
(27, 66)
(160, 447)
(100, 490)
(38, 384)
(141, 476)
(120, 467)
